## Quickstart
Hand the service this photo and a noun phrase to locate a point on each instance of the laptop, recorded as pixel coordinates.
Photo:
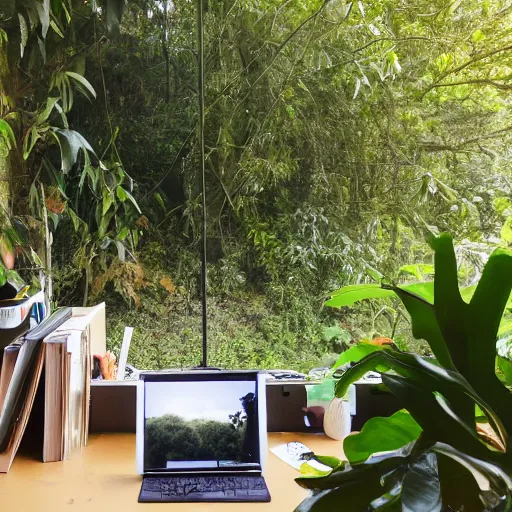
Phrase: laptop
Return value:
(202, 436)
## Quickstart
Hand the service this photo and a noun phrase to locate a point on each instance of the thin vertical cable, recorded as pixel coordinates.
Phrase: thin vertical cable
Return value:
(200, 61)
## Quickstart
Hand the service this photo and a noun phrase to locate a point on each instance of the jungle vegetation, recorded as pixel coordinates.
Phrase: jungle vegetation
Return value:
(172, 438)
(339, 137)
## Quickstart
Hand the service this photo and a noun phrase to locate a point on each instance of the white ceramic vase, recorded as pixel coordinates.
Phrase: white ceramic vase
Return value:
(337, 420)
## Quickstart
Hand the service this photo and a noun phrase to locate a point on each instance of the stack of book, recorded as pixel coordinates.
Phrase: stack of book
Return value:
(51, 361)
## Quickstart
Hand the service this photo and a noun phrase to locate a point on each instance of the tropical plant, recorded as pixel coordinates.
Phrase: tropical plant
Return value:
(438, 457)
(53, 166)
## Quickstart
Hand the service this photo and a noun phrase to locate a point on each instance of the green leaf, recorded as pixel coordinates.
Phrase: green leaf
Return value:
(23, 33)
(115, 9)
(335, 332)
(108, 200)
(74, 218)
(7, 134)
(332, 462)
(121, 194)
(380, 435)
(482, 323)
(427, 374)
(356, 353)
(29, 141)
(502, 205)
(348, 295)
(56, 28)
(486, 473)
(132, 200)
(70, 143)
(506, 230)
(435, 415)
(308, 470)
(386, 464)
(45, 113)
(3, 275)
(418, 271)
(505, 366)
(123, 233)
(121, 250)
(421, 489)
(86, 86)
(477, 36)
(43, 10)
(105, 223)
(424, 325)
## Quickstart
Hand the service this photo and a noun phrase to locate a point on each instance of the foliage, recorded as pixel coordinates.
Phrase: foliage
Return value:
(338, 135)
(170, 437)
(441, 459)
(61, 176)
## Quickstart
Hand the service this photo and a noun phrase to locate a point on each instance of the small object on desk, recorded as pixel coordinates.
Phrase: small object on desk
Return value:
(284, 375)
(314, 416)
(337, 421)
(106, 363)
(123, 356)
(296, 455)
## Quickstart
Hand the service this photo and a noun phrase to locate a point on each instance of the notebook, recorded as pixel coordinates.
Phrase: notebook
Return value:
(201, 436)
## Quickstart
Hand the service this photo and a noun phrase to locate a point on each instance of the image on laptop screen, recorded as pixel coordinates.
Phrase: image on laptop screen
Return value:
(208, 425)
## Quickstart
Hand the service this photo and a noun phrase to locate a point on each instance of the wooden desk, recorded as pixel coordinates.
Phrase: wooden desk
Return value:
(103, 479)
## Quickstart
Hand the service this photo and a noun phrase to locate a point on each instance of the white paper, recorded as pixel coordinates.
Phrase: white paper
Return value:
(295, 454)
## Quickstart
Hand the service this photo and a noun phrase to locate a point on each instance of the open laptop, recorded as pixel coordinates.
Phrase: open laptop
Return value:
(202, 436)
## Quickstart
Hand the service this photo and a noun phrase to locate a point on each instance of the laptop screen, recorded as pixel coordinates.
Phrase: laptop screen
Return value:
(201, 422)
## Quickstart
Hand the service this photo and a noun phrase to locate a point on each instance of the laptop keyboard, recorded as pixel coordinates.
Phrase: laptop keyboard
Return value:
(204, 488)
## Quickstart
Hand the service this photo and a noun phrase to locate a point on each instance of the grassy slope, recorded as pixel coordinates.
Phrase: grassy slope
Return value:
(241, 334)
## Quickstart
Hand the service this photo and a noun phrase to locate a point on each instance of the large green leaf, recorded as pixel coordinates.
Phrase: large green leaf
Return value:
(352, 497)
(421, 489)
(424, 324)
(470, 330)
(381, 434)
(495, 482)
(412, 366)
(431, 376)
(348, 295)
(82, 84)
(353, 473)
(437, 418)
(70, 142)
(356, 353)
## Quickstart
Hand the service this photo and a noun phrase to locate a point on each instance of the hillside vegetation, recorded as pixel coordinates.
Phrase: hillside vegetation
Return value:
(339, 137)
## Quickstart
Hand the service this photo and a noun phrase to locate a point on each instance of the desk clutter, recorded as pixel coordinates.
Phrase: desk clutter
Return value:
(45, 383)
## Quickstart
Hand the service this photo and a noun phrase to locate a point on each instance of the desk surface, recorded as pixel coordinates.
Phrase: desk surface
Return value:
(103, 478)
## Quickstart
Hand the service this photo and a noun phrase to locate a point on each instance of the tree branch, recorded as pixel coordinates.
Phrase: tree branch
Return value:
(477, 58)
(483, 81)
(394, 39)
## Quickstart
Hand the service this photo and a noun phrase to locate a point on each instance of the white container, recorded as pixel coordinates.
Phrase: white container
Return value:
(337, 419)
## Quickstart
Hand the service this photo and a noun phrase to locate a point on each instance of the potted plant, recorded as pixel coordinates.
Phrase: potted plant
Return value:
(449, 448)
